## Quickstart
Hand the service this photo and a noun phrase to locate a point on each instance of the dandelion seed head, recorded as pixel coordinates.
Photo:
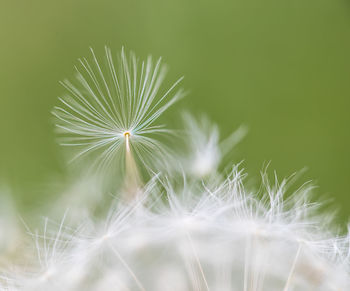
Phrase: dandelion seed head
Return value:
(221, 236)
(191, 229)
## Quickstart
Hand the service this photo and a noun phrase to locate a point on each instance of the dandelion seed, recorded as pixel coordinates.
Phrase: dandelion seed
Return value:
(205, 150)
(113, 108)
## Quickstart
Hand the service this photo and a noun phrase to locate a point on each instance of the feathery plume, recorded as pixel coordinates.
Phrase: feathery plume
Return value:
(113, 109)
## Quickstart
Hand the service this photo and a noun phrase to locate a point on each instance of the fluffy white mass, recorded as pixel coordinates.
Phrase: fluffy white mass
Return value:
(193, 237)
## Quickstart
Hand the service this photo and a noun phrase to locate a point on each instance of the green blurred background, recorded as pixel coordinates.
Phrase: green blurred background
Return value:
(281, 67)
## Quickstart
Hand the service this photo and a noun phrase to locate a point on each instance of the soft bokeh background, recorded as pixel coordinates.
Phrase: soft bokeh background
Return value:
(281, 67)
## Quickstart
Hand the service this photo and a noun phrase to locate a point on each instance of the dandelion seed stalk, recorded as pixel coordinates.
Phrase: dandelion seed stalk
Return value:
(133, 181)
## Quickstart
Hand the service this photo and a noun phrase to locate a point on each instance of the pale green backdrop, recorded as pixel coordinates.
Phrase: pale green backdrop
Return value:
(281, 67)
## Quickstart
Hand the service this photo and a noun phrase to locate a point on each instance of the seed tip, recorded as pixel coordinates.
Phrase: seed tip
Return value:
(126, 134)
